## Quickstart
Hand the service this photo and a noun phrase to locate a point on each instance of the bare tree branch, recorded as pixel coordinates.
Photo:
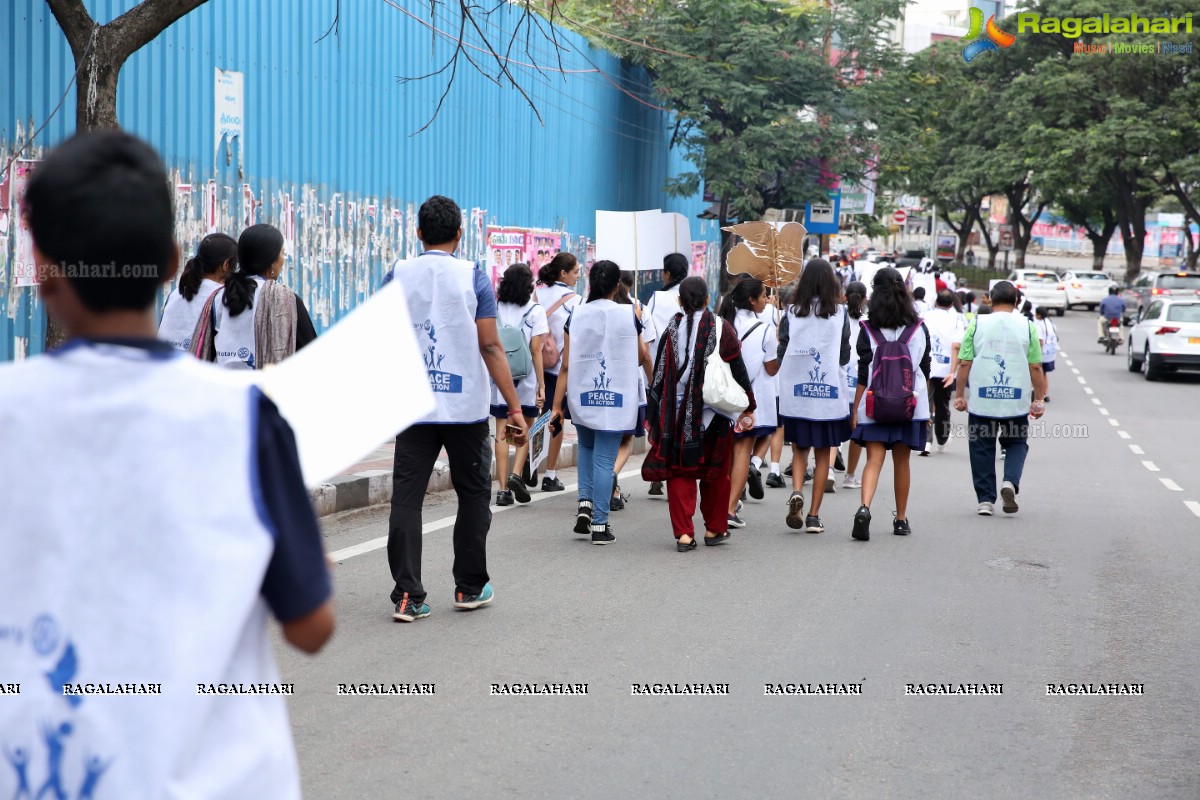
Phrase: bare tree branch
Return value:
(75, 22)
(138, 26)
(336, 27)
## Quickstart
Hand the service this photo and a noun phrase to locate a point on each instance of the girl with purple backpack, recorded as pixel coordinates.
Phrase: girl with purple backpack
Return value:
(891, 402)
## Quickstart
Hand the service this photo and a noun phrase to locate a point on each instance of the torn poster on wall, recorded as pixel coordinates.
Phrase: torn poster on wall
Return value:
(229, 96)
(24, 267)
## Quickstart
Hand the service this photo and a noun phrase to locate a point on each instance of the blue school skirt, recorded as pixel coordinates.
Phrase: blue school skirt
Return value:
(815, 433)
(914, 434)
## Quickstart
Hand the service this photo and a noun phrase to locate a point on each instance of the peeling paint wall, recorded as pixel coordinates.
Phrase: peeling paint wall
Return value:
(329, 154)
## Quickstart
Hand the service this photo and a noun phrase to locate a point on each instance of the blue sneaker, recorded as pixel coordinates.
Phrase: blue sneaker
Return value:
(408, 611)
(468, 602)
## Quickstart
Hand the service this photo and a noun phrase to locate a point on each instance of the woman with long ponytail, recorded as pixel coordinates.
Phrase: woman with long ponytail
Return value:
(741, 308)
(602, 353)
(662, 307)
(254, 320)
(205, 272)
(690, 440)
(555, 293)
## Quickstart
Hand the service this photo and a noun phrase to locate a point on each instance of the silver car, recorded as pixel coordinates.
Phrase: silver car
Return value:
(1041, 287)
(1086, 288)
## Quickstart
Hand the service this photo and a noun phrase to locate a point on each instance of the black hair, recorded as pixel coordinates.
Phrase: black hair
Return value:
(983, 309)
(1004, 293)
(213, 251)
(439, 220)
(627, 278)
(856, 299)
(676, 267)
(1113, 290)
(945, 298)
(603, 278)
(971, 297)
(744, 291)
(549, 273)
(102, 199)
(937, 273)
(693, 297)
(919, 293)
(1041, 313)
(258, 247)
(818, 290)
(1027, 309)
(516, 286)
(624, 294)
(891, 305)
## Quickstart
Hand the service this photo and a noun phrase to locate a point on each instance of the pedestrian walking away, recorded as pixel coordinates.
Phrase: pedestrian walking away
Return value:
(1048, 338)
(522, 326)
(663, 306)
(625, 296)
(453, 310)
(891, 403)
(1001, 358)
(856, 305)
(599, 380)
(690, 439)
(205, 272)
(741, 308)
(556, 294)
(155, 516)
(253, 321)
(813, 351)
(946, 329)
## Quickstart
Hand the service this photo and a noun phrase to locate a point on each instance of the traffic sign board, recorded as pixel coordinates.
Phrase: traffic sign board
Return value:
(898, 216)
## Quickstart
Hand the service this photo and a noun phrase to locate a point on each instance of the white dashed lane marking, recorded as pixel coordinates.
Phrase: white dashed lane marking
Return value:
(1081, 379)
(1088, 389)
(1137, 451)
(1124, 435)
(1113, 422)
(1170, 484)
(1104, 411)
(1096, 400)
(1150, 465)
(1075, 370)
(1193, 506)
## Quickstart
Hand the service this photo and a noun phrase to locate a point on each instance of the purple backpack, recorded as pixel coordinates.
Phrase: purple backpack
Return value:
(892, 397)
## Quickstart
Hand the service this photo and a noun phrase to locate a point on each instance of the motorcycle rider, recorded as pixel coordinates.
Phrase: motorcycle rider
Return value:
(1111, 307)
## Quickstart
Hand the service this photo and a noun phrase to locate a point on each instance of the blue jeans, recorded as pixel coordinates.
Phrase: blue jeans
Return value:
(982, 433)
(597, 455)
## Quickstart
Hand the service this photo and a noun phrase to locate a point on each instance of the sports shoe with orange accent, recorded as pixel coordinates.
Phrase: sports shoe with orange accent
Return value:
(469, 602)
(408, 611)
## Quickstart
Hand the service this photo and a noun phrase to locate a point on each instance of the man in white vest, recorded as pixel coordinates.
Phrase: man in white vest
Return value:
(453, 311)
(154, 516)
(1001, 358)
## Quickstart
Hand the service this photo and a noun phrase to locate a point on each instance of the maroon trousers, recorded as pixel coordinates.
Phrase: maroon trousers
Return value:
(714, 503)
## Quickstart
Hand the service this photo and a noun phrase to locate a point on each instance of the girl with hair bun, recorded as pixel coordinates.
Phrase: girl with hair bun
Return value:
(205, 272)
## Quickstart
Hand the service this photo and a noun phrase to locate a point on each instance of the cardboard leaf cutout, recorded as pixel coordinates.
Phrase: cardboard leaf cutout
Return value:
(772, 254)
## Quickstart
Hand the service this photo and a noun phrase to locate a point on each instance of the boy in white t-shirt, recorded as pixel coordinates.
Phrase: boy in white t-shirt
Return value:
(154, 515)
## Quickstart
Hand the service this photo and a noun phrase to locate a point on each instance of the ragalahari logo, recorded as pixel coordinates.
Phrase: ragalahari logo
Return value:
(992, 37)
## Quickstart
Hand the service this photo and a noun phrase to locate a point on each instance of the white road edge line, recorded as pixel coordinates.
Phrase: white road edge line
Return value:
(429, 527)
(1137, 451)
(1124, 434)
(1150, 465)
(1193, 506)
(1170, 484)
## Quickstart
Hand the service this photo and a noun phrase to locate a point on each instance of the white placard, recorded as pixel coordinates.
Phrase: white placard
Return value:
(930, 284)
(632, 239)
(228, 117)
(682, 235)
(358, 385)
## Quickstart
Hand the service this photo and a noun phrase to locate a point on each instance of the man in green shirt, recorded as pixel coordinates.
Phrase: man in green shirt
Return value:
(1001, 359)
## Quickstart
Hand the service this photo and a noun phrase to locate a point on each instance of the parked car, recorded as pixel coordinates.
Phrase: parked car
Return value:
(1042, 288)
(1086, 288)
(911, 258)
(1149, 285)
(1166, 337)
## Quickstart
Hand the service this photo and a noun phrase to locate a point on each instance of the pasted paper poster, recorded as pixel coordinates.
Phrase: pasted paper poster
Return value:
(228, 120)
(539, 441)
(24, 268)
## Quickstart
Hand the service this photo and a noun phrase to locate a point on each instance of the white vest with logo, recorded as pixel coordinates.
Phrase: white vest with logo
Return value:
(180, 316)
(944, 326)
(758, 347)
(602, 382)
(663, 307)
(234, 339)
(852, 367)
(916, 351)
(1000, 386)
(440, 290)
(812, 382)
(134, 552)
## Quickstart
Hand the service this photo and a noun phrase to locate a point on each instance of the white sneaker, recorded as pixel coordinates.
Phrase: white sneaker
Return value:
(851, 482)
(1008, 493)
(830, 485)
(986, 509)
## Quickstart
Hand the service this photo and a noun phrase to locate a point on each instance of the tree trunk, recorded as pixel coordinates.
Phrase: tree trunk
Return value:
(1022, 226)
(985, 234)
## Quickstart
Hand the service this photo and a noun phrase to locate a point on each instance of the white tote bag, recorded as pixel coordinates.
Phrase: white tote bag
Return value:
(721, 391)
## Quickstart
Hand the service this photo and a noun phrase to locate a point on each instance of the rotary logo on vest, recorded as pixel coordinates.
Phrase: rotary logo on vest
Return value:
(1002, 388)
(446, 382)
(816, 386)
(600, 395)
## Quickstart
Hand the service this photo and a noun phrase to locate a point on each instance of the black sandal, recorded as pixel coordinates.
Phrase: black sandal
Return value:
(719, 539)
(683, 548)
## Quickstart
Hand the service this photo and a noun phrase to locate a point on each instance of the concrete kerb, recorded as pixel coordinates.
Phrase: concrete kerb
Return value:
(363, 489)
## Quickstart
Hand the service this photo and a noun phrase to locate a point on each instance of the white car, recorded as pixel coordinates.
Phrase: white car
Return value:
(1042, 288)
(1086, 288)
(1166, 338)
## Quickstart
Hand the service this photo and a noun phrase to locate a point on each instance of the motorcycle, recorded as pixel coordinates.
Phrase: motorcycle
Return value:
(1113, 339)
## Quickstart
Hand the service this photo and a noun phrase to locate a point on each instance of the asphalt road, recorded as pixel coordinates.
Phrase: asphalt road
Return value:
(1093, 581)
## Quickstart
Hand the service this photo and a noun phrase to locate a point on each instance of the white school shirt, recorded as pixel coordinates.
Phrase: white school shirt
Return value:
(946, 327)
(1048, 335)
(128, 546)
(531, 319)
(758, 347)
(852, 366)
(547, 296)
(180, 316)
(602, 382)
(663, 307)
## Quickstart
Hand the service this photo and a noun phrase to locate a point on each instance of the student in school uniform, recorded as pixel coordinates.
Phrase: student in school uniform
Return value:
(946, 328)
(625, 296)
(1048, 336)
(814, 349)
(205, 273)
(663, 306)
(919, 301)
(254, 321)
(772, 446)
(602, 355)
(741, 308)
(517, 308)
(891, 317)
(856, 306)
(121, 567)
(690, 440)
(556, 294)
